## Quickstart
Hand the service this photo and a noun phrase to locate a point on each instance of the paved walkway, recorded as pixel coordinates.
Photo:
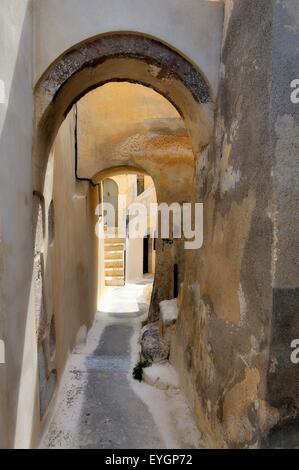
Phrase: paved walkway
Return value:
(99, 405)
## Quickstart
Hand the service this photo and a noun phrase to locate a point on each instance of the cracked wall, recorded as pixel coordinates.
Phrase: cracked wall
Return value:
(230, 302)
(282, 377)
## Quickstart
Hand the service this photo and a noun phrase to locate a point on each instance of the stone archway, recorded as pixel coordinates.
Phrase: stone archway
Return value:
(115, 58)
(119, 57)
(122, 57)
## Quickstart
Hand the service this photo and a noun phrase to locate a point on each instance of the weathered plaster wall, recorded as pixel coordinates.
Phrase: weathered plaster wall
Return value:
(70, 251)
(239, 304)
(115, 112)
(17, 377)
(73, 257)
(121, 57)
(197, 33)
(52, 36)
(127, 189)
(223, 331)
(21, 253)
(134, 260)
(247, 181)
(135, 247)
(128, 125)
(282, 380)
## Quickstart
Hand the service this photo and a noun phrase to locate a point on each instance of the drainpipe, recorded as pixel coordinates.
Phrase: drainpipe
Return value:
(89, 180)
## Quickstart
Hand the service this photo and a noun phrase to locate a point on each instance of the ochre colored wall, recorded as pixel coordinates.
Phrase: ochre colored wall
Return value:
(125, 125)
(239, 303)
(73, 249)
(238, 314)
(70, 266)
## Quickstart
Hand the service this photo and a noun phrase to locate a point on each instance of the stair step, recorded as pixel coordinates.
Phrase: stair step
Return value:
(109, 241)
(114, 264)
(114, 256)
(111, 278)
(114, 272)
(114, 247)
(115, 281)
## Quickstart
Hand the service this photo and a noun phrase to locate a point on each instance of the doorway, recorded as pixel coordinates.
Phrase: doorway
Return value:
(110, 196)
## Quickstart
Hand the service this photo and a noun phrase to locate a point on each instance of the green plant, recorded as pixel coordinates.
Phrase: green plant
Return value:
(138, 369)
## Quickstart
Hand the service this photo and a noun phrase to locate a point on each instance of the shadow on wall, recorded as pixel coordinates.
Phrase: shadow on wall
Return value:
(18, 375)
(28, 379)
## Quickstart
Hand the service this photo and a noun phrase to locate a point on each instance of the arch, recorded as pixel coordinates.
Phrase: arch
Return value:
(169, 259)
(118, 170)
(119, 57)
(124, 57)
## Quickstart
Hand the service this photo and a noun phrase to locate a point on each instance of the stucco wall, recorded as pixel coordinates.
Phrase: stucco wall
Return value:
(225, 315)
(72, 250)
(123, 125)
(239, 302)
(282, 379)
(114, 124)
(194, 27)
(16, 316)
(69, 254)
(134, 260)
(19, 388)
(228, 306)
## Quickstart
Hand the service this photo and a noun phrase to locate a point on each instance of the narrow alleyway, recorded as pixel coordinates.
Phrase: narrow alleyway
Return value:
(99, 404)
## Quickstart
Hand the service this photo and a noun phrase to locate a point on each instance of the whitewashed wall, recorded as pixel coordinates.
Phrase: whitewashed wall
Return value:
(194, 27)
(17, 322)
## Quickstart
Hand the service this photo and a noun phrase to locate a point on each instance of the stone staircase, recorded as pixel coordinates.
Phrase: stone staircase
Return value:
(114, 261)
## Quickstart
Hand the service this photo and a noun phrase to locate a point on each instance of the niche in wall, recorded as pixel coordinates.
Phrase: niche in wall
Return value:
(51, 227)
(175, 281)
(52, 340)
